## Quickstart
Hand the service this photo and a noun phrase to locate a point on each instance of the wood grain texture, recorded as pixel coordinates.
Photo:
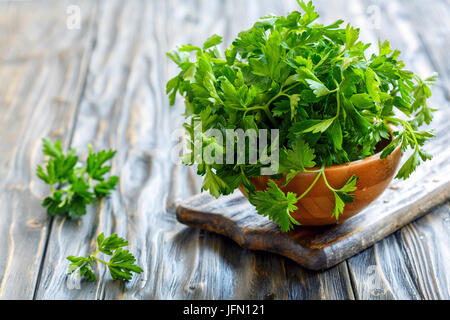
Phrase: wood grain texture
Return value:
(315, 248)
(125, 108)
(410, 264)
(431, 22)
(41, 76)
(385, 270)
(118, 57)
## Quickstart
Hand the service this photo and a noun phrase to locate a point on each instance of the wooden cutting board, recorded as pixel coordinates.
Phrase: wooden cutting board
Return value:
(315, 248)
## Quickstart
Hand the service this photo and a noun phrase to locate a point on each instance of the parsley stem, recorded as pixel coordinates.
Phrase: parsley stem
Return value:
(338, 100)
(266, 111)
(94, 256)
(322, 60)
(291, 87)
(266, 107)
(340, 55)
(100, 260)
(254, 108)
(273, 99)
(313, 171)
(326, 182)
(270, 116)
(409, 128)
(311, 186)
(238, 108)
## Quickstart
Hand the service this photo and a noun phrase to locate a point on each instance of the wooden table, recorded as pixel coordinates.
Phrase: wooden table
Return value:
(103, 82)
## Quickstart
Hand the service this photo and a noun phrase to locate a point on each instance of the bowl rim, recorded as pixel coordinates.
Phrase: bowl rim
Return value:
(334, 167)
(374, 157)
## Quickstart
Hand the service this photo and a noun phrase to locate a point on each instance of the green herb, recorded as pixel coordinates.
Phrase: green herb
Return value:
(72, 185)
(121, 264)
(275, 204)
(331, 103)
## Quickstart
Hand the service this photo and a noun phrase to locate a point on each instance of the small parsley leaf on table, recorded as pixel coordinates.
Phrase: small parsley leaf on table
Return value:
(84, 266)
(121, 264)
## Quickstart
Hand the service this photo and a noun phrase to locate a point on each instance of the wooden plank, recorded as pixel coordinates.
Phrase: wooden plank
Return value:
(125, 108)
(410, 264)
(42, 66)
(385, 270)
(311, 247)
(431, 22)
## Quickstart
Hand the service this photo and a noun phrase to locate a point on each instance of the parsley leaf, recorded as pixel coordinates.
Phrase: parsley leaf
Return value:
(84, 266)
(214, 184)
(343, 196)
(108, 245)
(409, 166)
(320, 126)
(318, 88)
(95, 162)
(275, 204)
(301, 156)
(121, 265)
(212, 41)
(71, 184)
(295, 160)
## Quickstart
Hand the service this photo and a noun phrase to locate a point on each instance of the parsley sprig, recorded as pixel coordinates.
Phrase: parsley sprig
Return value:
(72, 185)
(331, 103)
(120, 265)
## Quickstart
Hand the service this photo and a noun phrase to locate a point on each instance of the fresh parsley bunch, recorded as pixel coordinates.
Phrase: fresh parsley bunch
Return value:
(314, 83)
(121, 264)
(74, 186)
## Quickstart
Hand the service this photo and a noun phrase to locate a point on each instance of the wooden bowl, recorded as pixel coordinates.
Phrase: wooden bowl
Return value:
(316, 208)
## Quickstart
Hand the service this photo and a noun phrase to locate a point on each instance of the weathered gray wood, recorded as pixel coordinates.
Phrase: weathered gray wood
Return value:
(42, 66)
(313, 248)
(383, 271)
(410, 264)
(404, 254)
(125, 108)
(431, 22)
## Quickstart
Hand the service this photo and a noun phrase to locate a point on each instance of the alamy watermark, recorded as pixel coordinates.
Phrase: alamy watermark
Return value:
(228, 146)
(73, 21)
